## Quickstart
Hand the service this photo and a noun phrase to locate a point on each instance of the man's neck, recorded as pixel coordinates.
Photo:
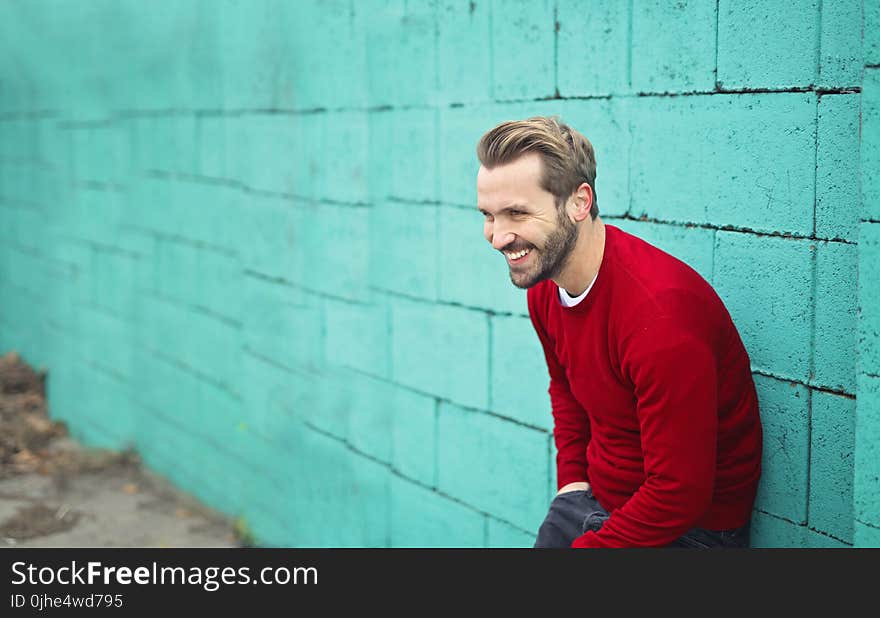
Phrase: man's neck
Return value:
(585, 259)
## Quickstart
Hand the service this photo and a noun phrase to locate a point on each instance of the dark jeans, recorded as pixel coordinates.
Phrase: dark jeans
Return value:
(575, 512)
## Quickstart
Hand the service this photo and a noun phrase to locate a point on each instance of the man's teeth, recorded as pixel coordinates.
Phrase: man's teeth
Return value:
(518, 254)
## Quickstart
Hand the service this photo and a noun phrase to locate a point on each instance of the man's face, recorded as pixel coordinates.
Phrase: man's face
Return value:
(520, 216)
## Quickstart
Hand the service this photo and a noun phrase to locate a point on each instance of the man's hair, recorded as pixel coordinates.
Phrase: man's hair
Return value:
(567, 156)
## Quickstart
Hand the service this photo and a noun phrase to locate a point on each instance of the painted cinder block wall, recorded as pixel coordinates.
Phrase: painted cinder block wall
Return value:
(242, 238)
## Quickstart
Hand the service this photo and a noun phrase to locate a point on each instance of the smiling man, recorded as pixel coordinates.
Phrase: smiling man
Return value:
(655, 415)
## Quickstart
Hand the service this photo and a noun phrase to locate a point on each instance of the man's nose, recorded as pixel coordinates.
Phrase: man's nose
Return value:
(502, 239)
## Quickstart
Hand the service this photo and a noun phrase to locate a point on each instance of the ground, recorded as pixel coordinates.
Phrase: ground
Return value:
(54, 492)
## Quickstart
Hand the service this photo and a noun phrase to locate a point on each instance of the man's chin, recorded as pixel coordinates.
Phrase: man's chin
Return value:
(524, 282)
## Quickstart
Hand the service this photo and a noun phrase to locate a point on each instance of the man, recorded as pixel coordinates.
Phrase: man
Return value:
(656, 419)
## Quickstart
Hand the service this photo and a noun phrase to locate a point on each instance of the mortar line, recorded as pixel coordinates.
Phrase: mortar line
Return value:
(821, 389)
(868, 524)
(444, 303)
(800, 525)
(125, 115)
(461, 406)
(729, 228)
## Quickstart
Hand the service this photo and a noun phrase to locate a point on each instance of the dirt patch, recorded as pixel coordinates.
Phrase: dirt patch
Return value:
(27, 435)
(55, 492)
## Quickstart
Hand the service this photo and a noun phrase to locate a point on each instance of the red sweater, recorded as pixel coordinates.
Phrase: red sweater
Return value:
(652, 395)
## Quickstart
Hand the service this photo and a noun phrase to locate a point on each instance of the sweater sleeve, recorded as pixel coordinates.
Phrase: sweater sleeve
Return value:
(571, 425)
(675, 384)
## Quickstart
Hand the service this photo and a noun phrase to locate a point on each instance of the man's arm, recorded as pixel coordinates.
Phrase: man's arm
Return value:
(571, 425)
(675, 382)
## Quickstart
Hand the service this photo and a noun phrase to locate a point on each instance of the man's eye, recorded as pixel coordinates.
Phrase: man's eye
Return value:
(516, 213)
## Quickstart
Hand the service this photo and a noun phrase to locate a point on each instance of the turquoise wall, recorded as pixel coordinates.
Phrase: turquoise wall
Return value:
(242, 238)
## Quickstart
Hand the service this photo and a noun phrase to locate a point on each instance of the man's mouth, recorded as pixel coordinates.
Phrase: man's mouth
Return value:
(515, 257)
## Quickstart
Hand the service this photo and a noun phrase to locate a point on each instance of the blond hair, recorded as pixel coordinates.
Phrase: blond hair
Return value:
(567, 156)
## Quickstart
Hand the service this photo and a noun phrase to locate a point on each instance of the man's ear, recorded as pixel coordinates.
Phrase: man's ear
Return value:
(583, 202)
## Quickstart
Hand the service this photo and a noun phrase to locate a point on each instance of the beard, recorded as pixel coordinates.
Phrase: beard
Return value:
(549, 261)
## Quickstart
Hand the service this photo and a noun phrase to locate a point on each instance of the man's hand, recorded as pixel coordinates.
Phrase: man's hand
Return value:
(579, 485)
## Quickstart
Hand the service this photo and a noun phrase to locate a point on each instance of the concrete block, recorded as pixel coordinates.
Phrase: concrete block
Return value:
(116, 277)
(766, 285)
(754, 52)
(214, 347)
(693, 245)
(503, 535)
(310, 171)
(401, 51)
(423, 518)
(357, 336)
(380, 166)
(282, 323)
(160, 322)
(177, 271)
(345, 157)
(869, 299)
(272, 235)
(832, 438)
(221, 278)
(171, 143)
(257, 52)
(866, 488)
(107, 339)
(836, 322)
(425, 337)
(742, 160)
(464, 59)
(333, 401)
(785, 419)
(106, 402)
(413, 151)
(519, 372)
(592, 48)
(336, 250)
(273, 399)
(605, 123)
(414, 436)
(866, 535)
(673, 46)
(341, 499)
(870, 145)
(330, 41)
(497, 466)
(265, 167)
(370, 421)
(475, 274)
(837, 167)
(871, 33)
(524, 70)
(840, 57)
(405, 248)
